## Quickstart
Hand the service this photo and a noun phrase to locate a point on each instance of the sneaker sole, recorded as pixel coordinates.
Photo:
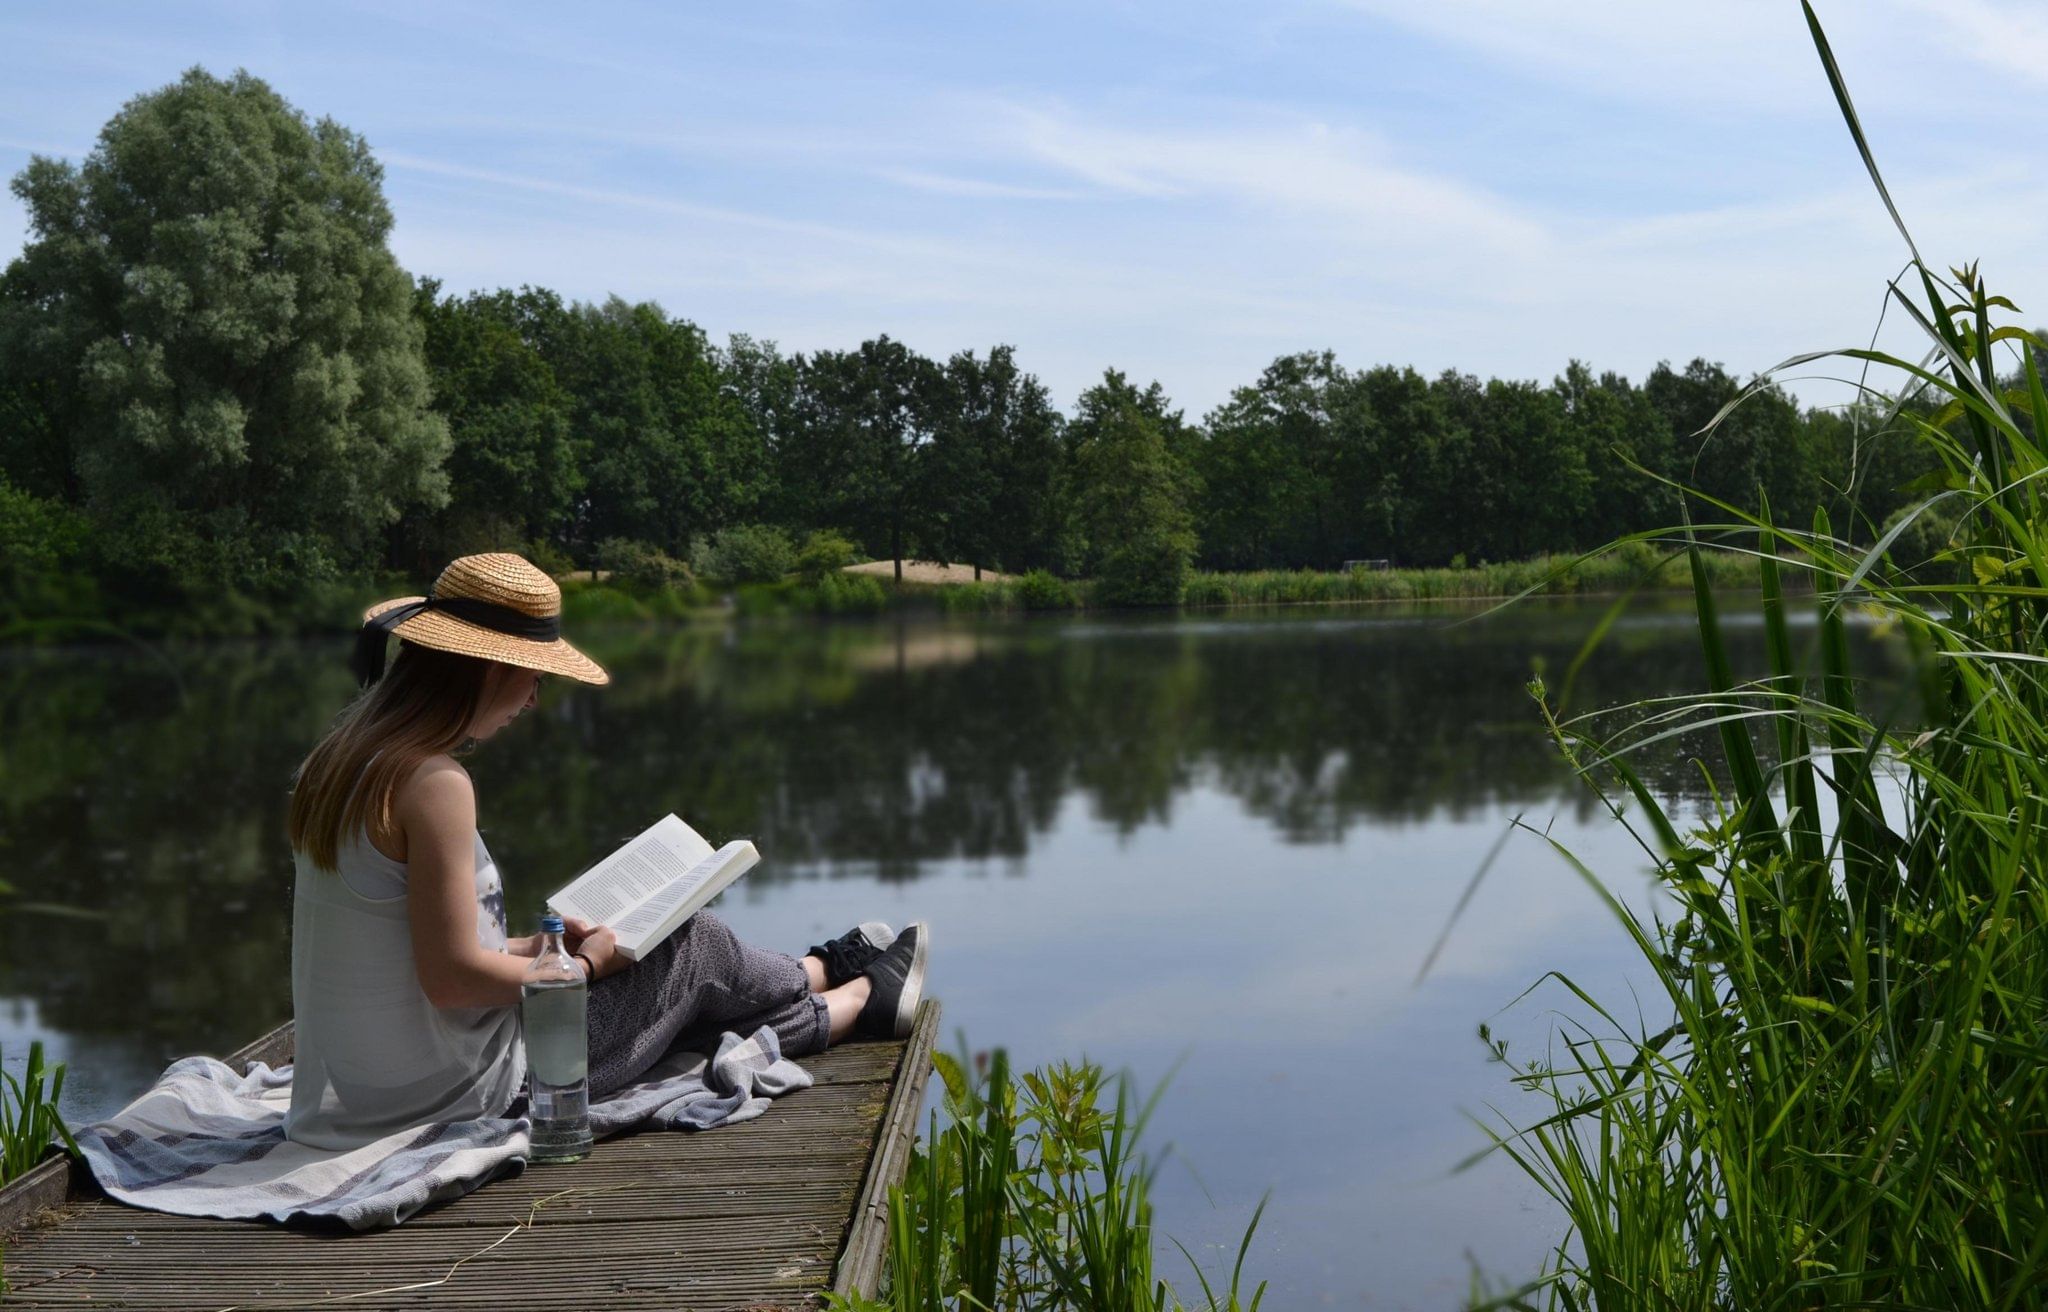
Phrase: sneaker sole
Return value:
(913, 982)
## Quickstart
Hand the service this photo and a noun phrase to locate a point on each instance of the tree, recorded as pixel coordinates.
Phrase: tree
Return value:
(222, 345)
(1132, 494)
(667, 449)
(855, 454)
(1615, 427)
(512, 469)
(1396, 432)
(1544, 487)
(757, 378)
(993, 462)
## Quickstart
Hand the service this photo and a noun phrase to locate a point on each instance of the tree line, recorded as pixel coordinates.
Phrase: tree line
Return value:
(216, 380)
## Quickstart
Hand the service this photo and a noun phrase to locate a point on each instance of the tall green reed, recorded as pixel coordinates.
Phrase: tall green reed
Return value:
(1032, 1193)
(1844, 1099)
(30, 1124)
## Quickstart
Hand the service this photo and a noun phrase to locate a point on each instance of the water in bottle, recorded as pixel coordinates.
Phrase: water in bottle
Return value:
(553, 1014)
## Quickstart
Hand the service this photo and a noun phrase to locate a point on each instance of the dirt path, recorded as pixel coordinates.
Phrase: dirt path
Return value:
(925, 571)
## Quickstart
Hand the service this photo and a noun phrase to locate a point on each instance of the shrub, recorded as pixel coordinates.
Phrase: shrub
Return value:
(584, 602)
(1043, 590)
(549, 558)
(823, 552)
(744, 553)
(639, 565)
(1148, 570)
(40, 541)
(1921, 545)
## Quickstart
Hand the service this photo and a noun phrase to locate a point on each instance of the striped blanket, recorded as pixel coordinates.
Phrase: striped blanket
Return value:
(205, 1141)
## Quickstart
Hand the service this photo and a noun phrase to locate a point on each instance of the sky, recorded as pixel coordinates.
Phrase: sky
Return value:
(1182, 191)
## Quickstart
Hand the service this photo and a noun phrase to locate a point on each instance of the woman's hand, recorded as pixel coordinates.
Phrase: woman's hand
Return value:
(595, 942)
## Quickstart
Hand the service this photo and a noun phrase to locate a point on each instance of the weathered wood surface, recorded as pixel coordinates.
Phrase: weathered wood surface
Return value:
(765, 1214)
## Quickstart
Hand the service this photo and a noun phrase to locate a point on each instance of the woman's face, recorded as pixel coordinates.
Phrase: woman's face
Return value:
(509, 692)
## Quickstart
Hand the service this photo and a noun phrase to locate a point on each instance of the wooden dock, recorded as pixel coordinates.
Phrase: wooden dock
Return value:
(766, 1214)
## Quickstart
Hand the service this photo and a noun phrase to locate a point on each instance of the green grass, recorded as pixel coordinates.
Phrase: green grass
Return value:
(1838, 1097)
(1032, 1193)
(1638, 563)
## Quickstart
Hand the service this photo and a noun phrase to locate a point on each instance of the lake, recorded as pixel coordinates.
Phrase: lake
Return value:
(1219, 845)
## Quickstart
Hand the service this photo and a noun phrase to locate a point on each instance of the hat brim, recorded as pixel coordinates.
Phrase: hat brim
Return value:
(443, 632)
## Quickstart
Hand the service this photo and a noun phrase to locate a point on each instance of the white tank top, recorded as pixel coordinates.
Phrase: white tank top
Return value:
(374, 1056)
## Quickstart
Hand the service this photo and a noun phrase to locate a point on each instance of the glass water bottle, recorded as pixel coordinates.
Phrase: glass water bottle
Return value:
(553, 1013)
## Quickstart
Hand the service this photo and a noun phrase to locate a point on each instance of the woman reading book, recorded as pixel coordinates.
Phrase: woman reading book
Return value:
(405, 984)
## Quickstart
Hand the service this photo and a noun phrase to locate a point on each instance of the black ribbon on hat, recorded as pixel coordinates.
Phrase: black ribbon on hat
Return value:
(367, 661)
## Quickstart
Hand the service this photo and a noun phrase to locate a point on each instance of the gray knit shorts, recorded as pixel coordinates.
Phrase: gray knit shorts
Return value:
(697, 982)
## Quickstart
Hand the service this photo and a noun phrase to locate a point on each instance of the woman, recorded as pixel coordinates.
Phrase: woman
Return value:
(404, 983)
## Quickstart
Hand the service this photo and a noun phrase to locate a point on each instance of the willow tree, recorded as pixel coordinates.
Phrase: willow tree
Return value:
(223, 348)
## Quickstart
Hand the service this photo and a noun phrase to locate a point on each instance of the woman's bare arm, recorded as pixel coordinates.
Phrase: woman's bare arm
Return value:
(437, 810)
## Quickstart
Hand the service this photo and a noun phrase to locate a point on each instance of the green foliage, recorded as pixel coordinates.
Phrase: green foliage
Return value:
(1033, 1194)
(745, 553)
(843, 594)
(855, 453)
(1131, 495)
(1827, 1107)
(991, 474)
(29, 1122)
(548, 557)
(823, 552)
(1927, 542)
(1622, 567)
(641, 566)
(585, 603)
(512, 467)
(1043, 590)
(222, 351)
(42, 542)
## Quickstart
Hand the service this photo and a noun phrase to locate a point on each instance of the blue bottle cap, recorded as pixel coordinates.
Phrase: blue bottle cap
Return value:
(550, 924)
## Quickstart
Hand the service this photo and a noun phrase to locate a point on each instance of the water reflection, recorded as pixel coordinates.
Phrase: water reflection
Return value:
(148, 789)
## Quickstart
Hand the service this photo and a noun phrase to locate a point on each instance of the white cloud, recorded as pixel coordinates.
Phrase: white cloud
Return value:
(1285, 164)
(976, 188)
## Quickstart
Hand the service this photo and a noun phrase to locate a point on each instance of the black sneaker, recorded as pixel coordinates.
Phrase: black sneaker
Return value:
(848, 957)
(898, 978)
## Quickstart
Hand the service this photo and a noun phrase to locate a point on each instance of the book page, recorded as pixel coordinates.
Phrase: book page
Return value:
(657, 916)
(614, 886)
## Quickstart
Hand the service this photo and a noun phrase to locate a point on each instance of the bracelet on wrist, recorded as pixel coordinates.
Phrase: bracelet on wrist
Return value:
(589, 966)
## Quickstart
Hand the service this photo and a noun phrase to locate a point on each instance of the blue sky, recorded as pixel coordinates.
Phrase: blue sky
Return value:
(1182, 191)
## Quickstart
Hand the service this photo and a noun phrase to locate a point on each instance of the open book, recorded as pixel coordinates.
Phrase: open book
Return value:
(653, 884)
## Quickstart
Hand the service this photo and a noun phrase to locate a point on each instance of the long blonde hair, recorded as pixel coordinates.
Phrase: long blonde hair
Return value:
(422, 708)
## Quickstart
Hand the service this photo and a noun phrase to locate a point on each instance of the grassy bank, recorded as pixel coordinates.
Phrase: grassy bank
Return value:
(1626, 566)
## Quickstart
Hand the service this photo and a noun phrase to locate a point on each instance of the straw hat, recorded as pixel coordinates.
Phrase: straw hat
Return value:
(495, 606)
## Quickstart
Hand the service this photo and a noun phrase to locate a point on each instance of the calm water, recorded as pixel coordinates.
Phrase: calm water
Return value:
(1222, 844)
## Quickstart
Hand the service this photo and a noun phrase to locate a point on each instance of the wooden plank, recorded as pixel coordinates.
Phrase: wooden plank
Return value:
(29, 1197)
(753, 1214)
(860, 1263)
(58, 1180)
(273, 1049)
(61, 1180)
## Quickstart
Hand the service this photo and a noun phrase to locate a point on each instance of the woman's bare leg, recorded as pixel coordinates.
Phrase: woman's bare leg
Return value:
(843, 1004)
